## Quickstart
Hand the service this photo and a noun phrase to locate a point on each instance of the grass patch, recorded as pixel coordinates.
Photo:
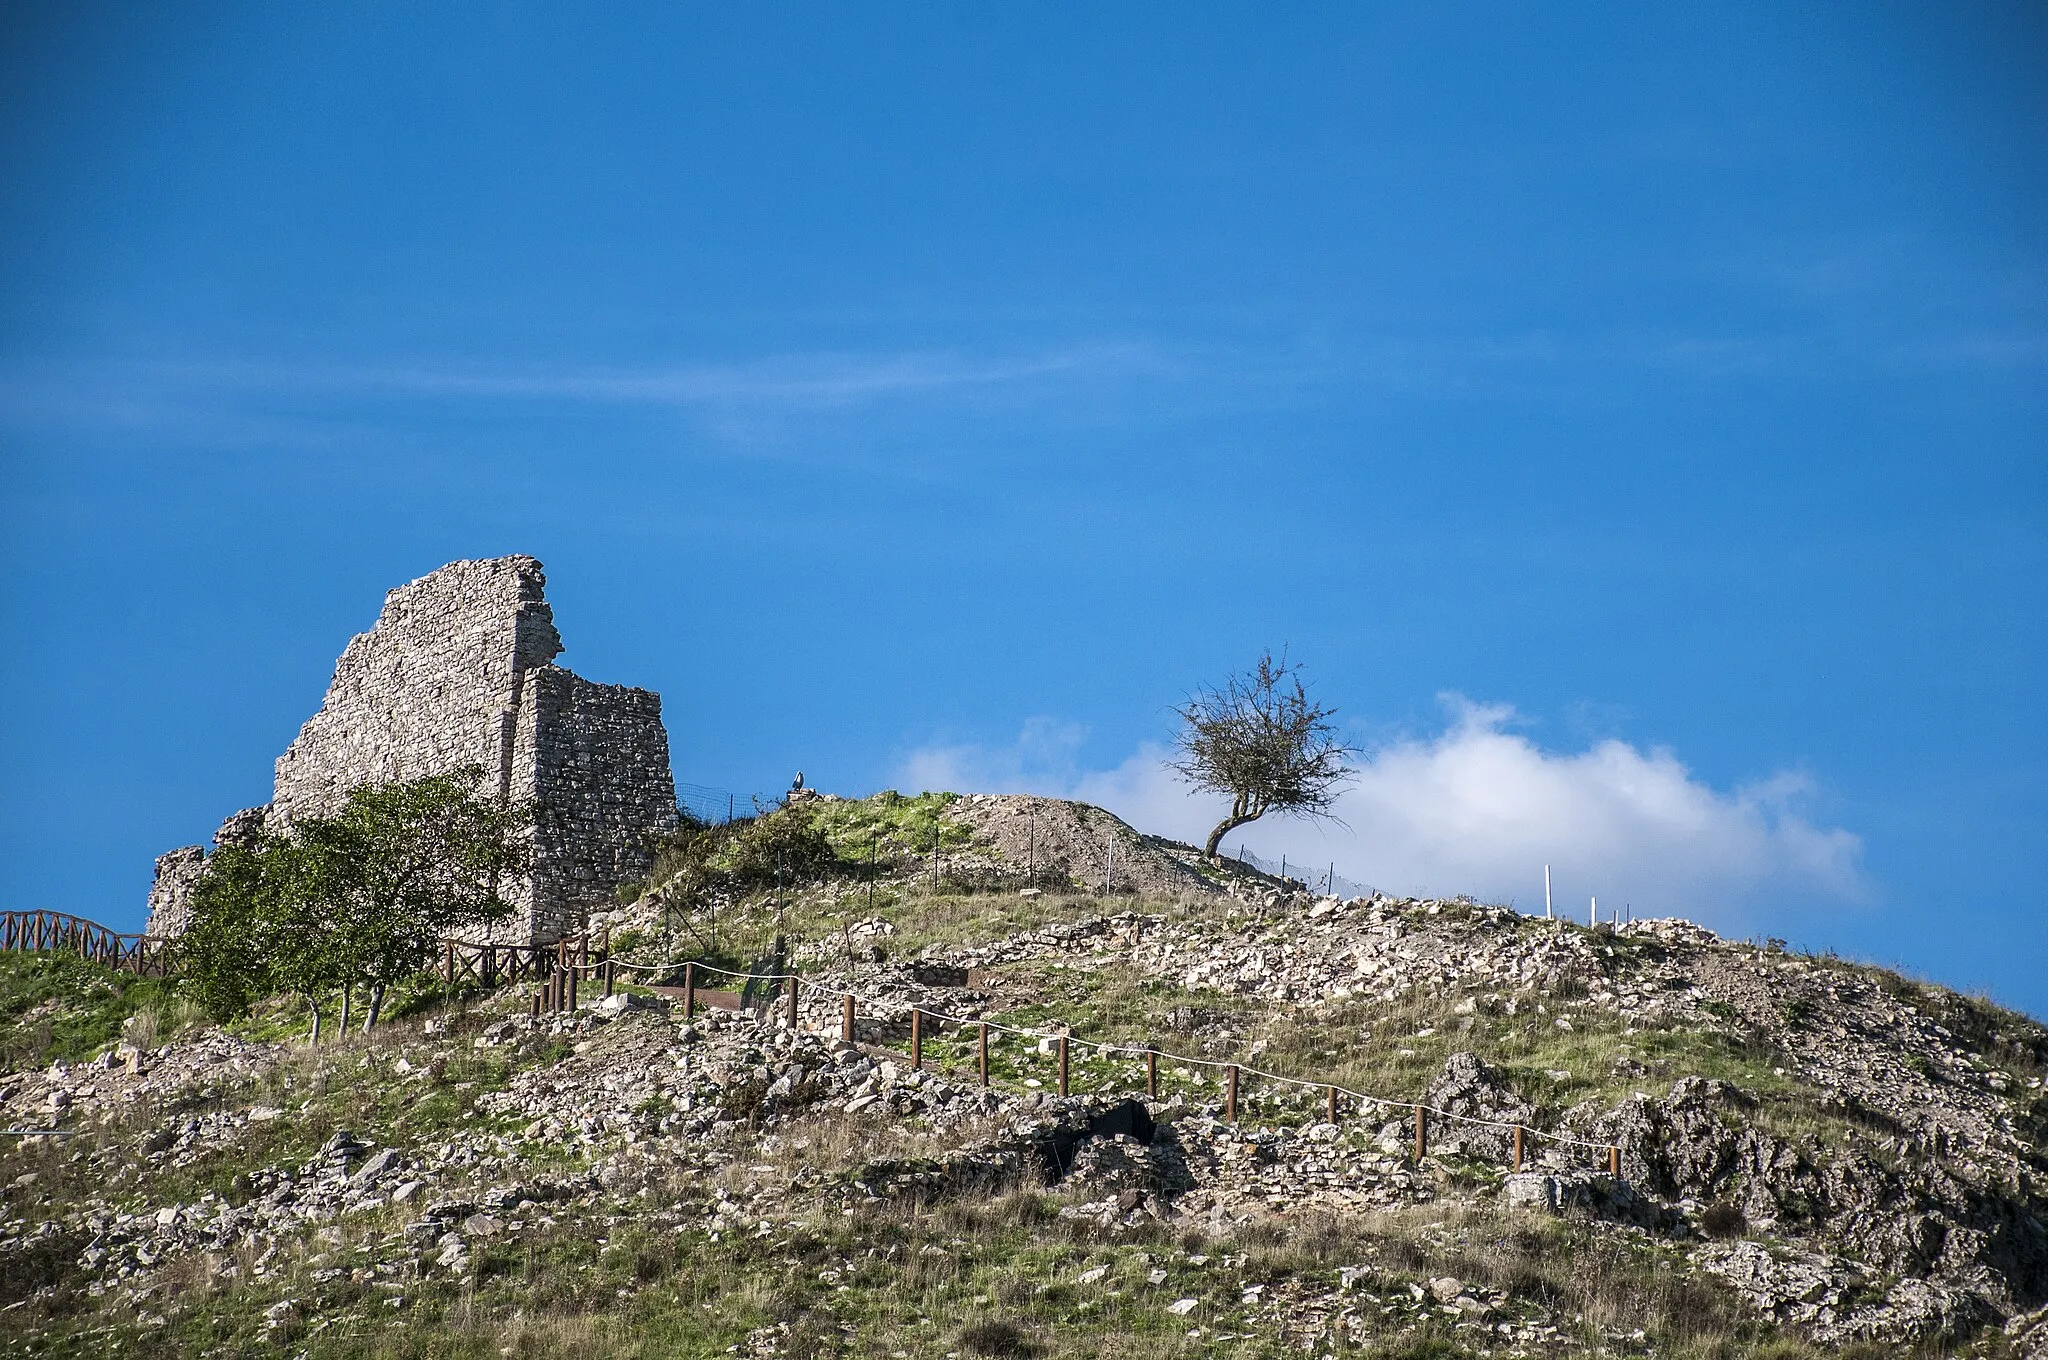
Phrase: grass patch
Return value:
(58, 1006)
(890, 827)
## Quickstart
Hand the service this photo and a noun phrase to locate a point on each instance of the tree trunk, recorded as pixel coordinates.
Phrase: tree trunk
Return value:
(1224, 828)
(376, 1006)
(314, 1002)
(348, 991)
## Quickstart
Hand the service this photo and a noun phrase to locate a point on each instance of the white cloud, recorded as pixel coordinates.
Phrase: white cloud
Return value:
(1478, 808)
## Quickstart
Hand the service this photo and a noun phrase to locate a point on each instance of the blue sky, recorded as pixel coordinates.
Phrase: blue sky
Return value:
(1633, 416)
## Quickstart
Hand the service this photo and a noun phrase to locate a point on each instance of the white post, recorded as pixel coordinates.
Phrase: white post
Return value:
(1546, 892)
(1593, 913)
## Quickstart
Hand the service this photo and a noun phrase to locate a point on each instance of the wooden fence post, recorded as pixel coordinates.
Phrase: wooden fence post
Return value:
(689, 991)
(791, 982)
(611, 975)
(984, 1053)
(846, 1019)
(1614, 1162)
(1331, 1104)
(1151, 1073)
(1063, 1064)
(1230, 1094)
(1421, 1133)
(916, 1037)
(1518, 1147)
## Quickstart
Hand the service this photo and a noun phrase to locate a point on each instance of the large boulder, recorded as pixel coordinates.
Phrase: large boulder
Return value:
(1469, 1088)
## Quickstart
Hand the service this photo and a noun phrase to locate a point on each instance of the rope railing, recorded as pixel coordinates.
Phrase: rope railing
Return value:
(561, 965)
(1422, 1110)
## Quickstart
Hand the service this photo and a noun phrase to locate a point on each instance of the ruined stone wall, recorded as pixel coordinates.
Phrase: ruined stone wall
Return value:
(457, 672)
(436, 685)
(598, 758)
(170, 891)
(178, 872)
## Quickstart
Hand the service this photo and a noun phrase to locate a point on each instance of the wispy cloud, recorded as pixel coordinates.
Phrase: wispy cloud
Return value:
(1131, 375)
(1480, 808)
(125, 393)
(816, 379)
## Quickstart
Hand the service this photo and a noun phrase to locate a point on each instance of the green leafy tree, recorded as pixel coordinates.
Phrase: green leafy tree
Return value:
(227, 948)
(407, 864)
(1262, 741)
(262, 924)
(360, 898)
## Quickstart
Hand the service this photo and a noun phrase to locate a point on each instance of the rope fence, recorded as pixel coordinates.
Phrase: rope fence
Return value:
(559, 994)
(561, 967)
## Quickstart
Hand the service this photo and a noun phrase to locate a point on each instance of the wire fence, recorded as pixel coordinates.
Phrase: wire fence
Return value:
(715, 807)
(1322, 879)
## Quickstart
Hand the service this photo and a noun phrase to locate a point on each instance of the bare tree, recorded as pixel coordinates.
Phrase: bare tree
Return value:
(1260, 740)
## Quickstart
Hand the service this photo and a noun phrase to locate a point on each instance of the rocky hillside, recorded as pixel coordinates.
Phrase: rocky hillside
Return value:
(1816, 1158)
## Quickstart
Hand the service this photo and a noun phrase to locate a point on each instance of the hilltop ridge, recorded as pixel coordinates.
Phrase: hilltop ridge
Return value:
(1816, 1157)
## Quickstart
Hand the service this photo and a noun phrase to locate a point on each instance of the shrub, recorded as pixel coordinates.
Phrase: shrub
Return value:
(702, 871)
(1723, 1219)
(784, 846)
(996, 1337)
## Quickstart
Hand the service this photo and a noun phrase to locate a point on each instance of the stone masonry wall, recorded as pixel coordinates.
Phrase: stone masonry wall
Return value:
(600, 777)
(178, 872)
(170, 891)
(434, 686)
(457, 672)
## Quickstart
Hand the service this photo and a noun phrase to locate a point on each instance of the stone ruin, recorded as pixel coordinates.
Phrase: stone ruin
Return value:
(457, 672)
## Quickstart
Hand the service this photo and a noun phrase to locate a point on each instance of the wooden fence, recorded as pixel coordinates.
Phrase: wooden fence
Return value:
(492, 965)
(557, 970)
(925, 1021)
(50, 932)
